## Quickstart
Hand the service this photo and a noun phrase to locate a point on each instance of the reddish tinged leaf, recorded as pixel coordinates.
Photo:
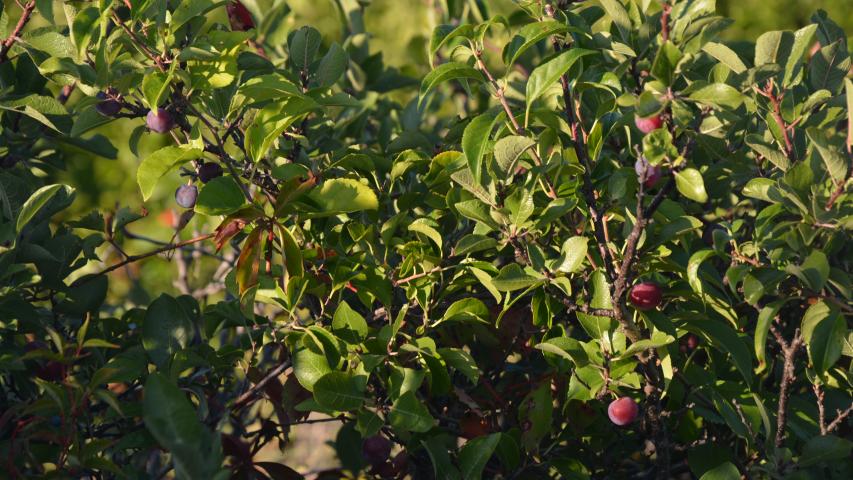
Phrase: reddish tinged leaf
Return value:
(249, 261)
(227, 230)
(239, 16)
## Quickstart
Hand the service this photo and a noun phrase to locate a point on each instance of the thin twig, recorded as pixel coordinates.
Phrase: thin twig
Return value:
(19, 27)
(789, 374)
(840, 418)
(135, 258)
(246, 397)
(664, 21)
(571, 306)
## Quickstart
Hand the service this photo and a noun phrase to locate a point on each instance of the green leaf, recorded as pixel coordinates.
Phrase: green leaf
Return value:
(535, 413)
(830, 149)
(513, 277)
(597, 327)
(348, 320)
(303, 46)
(507, 152)
(442, 466)
(567, 348)
(693, 269)
(768, 151)
(619, 16)
(829, 66)
(803, 41)
(825, 448)
(475, 454)
(762, 327)
(189, 9)
(154, 87)
(477, 210)
(573, 254)
(718, 95)
(343, 195)
(529, 35)
(292, 253)
(473, 243)
(272, 121)
(690, 184)
(339, 391)
(724, 338)
(773, 47)
(408, 414)
(548, 73)
(422, 225)
(167, 329)
(368, 423)
(443, 34)
(445, 72)
(174, 423)
(723, 471)
(309, 367)
(725, 55)
(37, 201)
(666, 62)
(520, 206)
(758, 188)
(462, 361)
(824, 329)
(475, 141)
(659, 339)
(332, 66)
(159, 163)
(658, 146)
(220, 196)
(814, 272)
(84, 27)
(464, 310)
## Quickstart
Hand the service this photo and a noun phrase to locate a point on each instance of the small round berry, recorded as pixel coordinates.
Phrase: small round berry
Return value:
(645, 170)
(51, 371)
(159, 120)
(108, 106)
(186, 195)
(208, 171)
(645, 296)
(622, 411)
(648, 124)
(239, 16)
(376, 449)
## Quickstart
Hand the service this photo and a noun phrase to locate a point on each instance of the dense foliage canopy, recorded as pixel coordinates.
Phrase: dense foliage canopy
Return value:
(594, 240)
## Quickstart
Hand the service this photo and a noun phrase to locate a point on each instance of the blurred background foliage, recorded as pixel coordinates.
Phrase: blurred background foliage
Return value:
(401, 30)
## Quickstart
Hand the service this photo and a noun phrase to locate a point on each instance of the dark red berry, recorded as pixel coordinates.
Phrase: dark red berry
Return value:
(622, 411)
(159, 121)
(648, 173)
(648, 124)
(51, 371)
(645, 296)
(239, 17)
(208, 171)
(186, 195)
(108, 106)
(376, 449)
